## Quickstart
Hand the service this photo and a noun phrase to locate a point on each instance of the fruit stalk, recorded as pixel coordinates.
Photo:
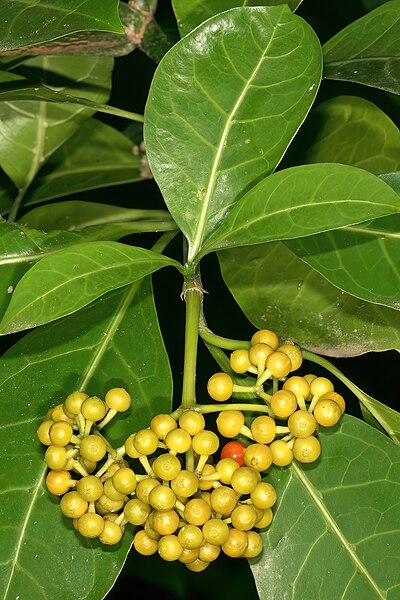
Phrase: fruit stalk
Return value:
(193, 296)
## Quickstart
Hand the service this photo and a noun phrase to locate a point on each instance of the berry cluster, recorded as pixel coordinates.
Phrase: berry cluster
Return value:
(71, 432)
(163, 479)
(301, 405)
(187, 508)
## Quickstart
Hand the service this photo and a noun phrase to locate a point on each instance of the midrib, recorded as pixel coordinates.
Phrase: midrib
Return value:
(336, 530)
(196, 245)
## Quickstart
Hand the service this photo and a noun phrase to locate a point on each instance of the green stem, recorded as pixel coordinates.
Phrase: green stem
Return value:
(163, 241)
(210, 408)
(370, 403)
(193, 295)
(323, 362)
(217, 340)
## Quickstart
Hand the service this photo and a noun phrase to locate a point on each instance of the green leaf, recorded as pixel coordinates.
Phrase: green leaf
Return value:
(362, 260)
(277, 290)
(95, 156)
(302, 201)
(23, 89)
(191, 14)
(392, 179)
(78, 215)
(336, 522)
(353, 131)
(367, 51)
(382, 417)
(237, 130)
(31, 131)
(26, 23)
(371, 4)
(68, 280)
(139, 30)
(114, 341)
(21, 247)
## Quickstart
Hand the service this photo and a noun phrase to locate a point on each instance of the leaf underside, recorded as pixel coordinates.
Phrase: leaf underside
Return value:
(278, 291)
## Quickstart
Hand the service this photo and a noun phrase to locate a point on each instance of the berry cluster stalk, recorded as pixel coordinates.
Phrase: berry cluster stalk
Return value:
(193, 296)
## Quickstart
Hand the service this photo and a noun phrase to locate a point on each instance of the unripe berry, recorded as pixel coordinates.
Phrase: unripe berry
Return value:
(162, 424)
(220, 387)
(265, 336)
(230, 422)
(205, 443)
(118, 399)
(144, 544)
(57, 482)
(191, 421)
(239, 360)
(306, 450)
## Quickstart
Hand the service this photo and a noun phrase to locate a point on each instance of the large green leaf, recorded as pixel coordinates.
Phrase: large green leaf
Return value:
(25, 23)
(302, 201)
(336, 529)
(16, 88)
(78, 215)
(237, 129)
(367, 51)
(95, 156)
(138, 25)
(21, 247)
(114, 341)
(31, 131)
(353, 131)
(362, 260)
(191, 14)
(68, 280)
(277, 290)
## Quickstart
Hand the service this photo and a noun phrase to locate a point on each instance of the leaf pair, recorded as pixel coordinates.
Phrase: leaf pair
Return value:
(209, 166)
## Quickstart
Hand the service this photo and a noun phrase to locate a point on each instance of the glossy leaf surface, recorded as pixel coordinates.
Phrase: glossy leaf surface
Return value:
(31, 131)
(302, 201)
(367, 51)
(68, 280)
(336, 521)
(237, 130)
(76, 215)
(20, 247)
(95, 156)
(25, 25)
(353, 131)
(277, 290)
(363, 260)
(115, 341)
(138, 29)
(191, 14)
